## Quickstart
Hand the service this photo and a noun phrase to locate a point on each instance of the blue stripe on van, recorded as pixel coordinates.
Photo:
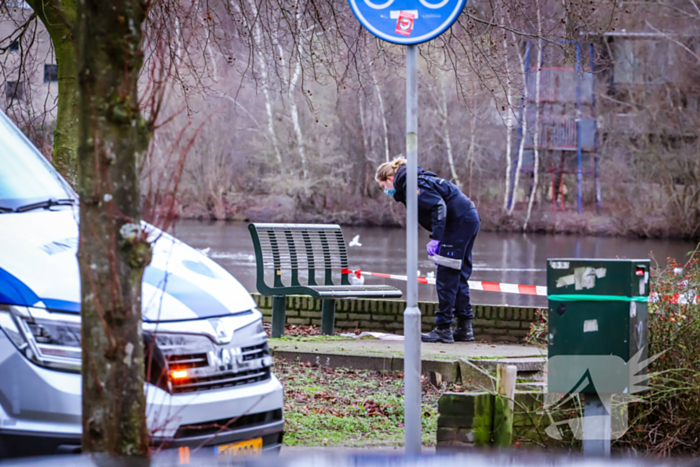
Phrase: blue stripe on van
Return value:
(201, 302)
(62, 305)
(14, 292)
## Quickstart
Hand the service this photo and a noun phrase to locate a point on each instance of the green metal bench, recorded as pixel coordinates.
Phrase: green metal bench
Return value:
(298, 252)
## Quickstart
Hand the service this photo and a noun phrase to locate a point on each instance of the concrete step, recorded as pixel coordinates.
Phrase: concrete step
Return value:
(472, 364)
(532, 386)
(523, 364)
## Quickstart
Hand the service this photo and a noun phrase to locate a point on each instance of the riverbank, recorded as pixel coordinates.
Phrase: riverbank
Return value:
(611, 222)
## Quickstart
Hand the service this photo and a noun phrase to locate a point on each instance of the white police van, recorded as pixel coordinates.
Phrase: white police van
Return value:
(211, 383)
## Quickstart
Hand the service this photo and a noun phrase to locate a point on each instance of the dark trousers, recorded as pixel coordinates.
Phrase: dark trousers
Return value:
(452, 286)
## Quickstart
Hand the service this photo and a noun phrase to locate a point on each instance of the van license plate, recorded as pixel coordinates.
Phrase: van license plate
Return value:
(251, 447)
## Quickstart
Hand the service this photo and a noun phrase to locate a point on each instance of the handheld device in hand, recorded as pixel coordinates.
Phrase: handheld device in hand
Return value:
(447, 262)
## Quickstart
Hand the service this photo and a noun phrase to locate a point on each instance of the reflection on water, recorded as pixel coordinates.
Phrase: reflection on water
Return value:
(498, 257)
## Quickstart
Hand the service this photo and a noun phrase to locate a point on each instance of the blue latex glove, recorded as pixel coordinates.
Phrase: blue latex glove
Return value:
(433, 247)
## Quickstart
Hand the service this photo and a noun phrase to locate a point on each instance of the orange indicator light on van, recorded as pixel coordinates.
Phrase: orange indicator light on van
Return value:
(178, 374)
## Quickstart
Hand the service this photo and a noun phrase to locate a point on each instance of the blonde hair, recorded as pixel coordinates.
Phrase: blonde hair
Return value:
(388, 169)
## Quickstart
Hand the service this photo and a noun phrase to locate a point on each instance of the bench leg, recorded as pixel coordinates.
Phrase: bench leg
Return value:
(278, 318)
(327, 317)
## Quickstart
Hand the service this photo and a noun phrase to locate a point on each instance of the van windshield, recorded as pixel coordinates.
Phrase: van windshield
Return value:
(26, 177)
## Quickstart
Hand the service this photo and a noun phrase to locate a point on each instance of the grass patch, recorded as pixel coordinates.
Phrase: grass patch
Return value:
(344, 407)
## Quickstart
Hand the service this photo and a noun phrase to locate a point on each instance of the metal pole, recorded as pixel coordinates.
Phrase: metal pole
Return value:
(579, 173)
(597, 429)
(411, 317)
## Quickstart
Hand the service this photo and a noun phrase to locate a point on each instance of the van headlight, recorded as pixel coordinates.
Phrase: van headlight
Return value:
(51, 340)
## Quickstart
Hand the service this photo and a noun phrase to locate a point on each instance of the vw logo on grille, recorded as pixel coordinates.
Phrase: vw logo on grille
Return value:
(223, 333)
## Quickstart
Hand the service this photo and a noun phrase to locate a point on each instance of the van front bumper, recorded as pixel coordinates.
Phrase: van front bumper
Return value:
(40, 410)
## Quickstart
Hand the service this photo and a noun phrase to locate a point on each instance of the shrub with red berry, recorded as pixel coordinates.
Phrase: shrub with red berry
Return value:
(667, 420)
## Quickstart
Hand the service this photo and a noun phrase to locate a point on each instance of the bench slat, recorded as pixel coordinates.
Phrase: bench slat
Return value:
(343, 257)
(292, 257)
(326, 258)
(309, 258)
(296, 226)
(277, 262)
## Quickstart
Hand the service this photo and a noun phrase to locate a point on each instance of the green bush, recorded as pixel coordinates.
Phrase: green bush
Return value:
(667, 419)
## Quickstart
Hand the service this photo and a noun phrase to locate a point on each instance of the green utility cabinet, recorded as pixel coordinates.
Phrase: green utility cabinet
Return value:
(598, 314)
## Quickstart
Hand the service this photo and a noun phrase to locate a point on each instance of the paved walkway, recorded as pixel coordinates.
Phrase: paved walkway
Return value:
(375, 347)
(474, 360)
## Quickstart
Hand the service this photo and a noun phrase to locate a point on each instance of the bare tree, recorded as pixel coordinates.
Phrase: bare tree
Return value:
(445, 117)
(509, 117)
(288, 69)
(382, 113)
(538, 112)
(523, 137)
(264, 74)
(58, 18)
(293, 78)
(470, 152)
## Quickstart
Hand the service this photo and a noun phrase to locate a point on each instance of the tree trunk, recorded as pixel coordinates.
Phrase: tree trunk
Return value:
(295, 116)
(264, 74)
(385, 128)
(58, 18)
(208, 52)
(291, 83)
(470, 154)
(363, 125)
(509, 122)
(360, 187)
(521, 148)
(538, 112)
(292, 99)
(113, 249)
(445, 117)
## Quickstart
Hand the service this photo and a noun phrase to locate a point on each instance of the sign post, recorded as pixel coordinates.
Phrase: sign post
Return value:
(410, 22)
(411, 316)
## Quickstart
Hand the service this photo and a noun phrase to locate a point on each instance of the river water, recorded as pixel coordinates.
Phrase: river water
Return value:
(498, 257)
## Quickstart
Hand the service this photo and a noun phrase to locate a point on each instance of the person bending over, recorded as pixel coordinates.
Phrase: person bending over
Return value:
(453, 223)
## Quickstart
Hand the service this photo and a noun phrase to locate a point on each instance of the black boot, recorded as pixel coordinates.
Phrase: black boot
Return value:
(439, 334)
(464, 332)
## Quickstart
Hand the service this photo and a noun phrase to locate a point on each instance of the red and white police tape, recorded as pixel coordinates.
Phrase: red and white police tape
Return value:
(682, 299)
(473, 285)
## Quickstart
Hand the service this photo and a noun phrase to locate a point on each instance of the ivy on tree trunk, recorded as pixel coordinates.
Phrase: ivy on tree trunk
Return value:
(113, 249)
(58, 17)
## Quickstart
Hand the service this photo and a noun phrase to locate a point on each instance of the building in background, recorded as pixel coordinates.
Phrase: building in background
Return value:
(28, 73)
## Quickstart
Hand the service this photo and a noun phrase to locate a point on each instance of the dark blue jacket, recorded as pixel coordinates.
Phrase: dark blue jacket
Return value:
(440, 203)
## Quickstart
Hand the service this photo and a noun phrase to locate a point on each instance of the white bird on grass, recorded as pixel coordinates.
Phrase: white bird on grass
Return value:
(355, 241)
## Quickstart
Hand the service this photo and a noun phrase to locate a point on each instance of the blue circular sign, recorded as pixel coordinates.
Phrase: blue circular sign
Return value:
(407, 21)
